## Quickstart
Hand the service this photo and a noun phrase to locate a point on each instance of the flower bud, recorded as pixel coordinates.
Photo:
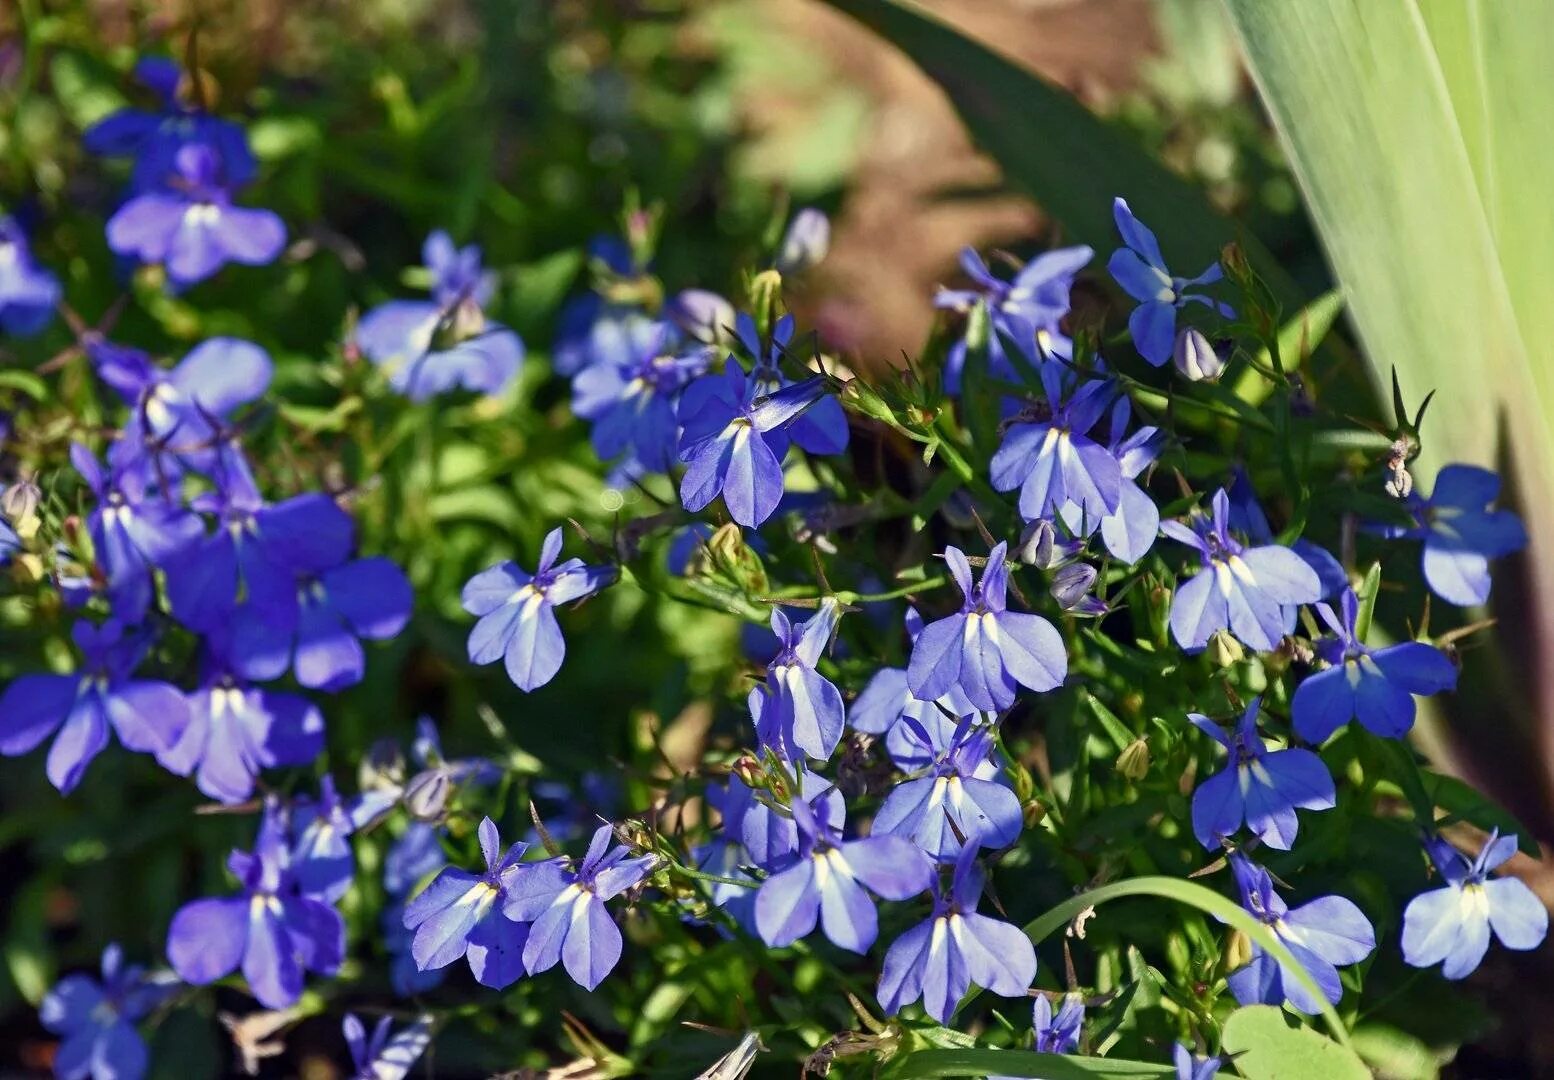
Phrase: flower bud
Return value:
(1225, 650)
(806, 242)
(20, 504)
(1071, 586)
(702, 314)
(1238, 951)
(1036, 544)
(1133, 762)
(1194, 356)
(426, 796)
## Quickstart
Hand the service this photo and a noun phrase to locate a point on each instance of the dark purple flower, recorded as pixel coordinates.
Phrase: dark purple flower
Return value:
(385, 1054)
(1453, 923)
(985, 649)
(133, 529)
(961, 795)
(1023, 314)
(1261, 787)
(1241, 589)
(95, 1020)
(191, 226)
(149, 716)
(1324, 934)
(825, 882)
(1141, 271)
(28, 292)
(632, 405)
(461, 914)
(1461, 534)
(517, 612)
(732, 444)
(803, 707)
(1051, 458)
(1374, 686)
(429, 347)
(236, 729)
(942, 957)
(154, 139)
(271, 931)
(565, 906)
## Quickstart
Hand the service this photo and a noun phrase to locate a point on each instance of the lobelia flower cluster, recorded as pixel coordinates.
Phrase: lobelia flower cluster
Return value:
(877, 786)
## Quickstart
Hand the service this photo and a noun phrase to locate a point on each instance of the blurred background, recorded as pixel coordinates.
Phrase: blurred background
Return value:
(525, 126)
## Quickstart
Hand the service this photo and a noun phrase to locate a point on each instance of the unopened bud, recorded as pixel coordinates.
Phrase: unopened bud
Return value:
(1195, 358)
(806, 242)
(1225, 650)
(1133, 762)
(1238, 951)
(1071, 589)
(1036, 544)
(702, 314)
(426, 796)
(20, 504)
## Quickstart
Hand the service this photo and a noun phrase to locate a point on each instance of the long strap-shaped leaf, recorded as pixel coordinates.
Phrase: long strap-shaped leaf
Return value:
(1054, 149)
(1026, 1063)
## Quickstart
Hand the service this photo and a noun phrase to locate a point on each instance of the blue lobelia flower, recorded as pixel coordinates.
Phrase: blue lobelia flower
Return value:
(321, 856)
(1049, 455)
(1057, 1034)
(1374, 686)
(517, 612)
(148, 715)
(236, 729)
(1141, 271)
(429, 347)
(256, 555)
(1247, 517)
(1023, 314)
(385, 1054)
(28, 292)
(179, 418)
(825, 881)
(1191, 1067)
(805, 244)
(1453, 923)
(316, 627)
(1128, 531)
(803, 707)
(985, 649)
(732, 444)
(820, 429)
(153, 138)
(1261, 787)
(1241, 589)
(632, 404)
(943, 956)
(191, 225)
(272, 932)
(961, 795)
(133, 528)
(461, 914)
(1460, 533)
(1324, 935)
(886, 700)
(95, 1020)
(570, 924)
(769, 836)
(591, 328)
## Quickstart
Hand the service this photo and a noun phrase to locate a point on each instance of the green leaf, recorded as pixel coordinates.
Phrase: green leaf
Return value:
(1396, 1054)
(1369, 590)
(963, 1063)
(1298, 339)
(1055, 150)
(1268, 1048)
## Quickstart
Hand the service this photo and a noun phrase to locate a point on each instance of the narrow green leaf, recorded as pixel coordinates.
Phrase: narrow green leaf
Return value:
(964, 1063)
(1268, 1048)
(1055, 150)
(1368, 593)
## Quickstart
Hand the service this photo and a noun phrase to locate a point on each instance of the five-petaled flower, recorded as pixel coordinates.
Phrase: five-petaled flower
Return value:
(1141, 271)
(1460, 533)
(1453, 923)
(960, 801)
(565, 905)
(95, 1020)
(1323, 935)
(985, 649)
(955, 948)
(461, 914)
(517, 612)
(803, 708)
(1374, 686)
(1261, 787)
(28, 292)
(1052, 459)
(385, 1054)
(272, 931)
(1240, 589)
(824, 881)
